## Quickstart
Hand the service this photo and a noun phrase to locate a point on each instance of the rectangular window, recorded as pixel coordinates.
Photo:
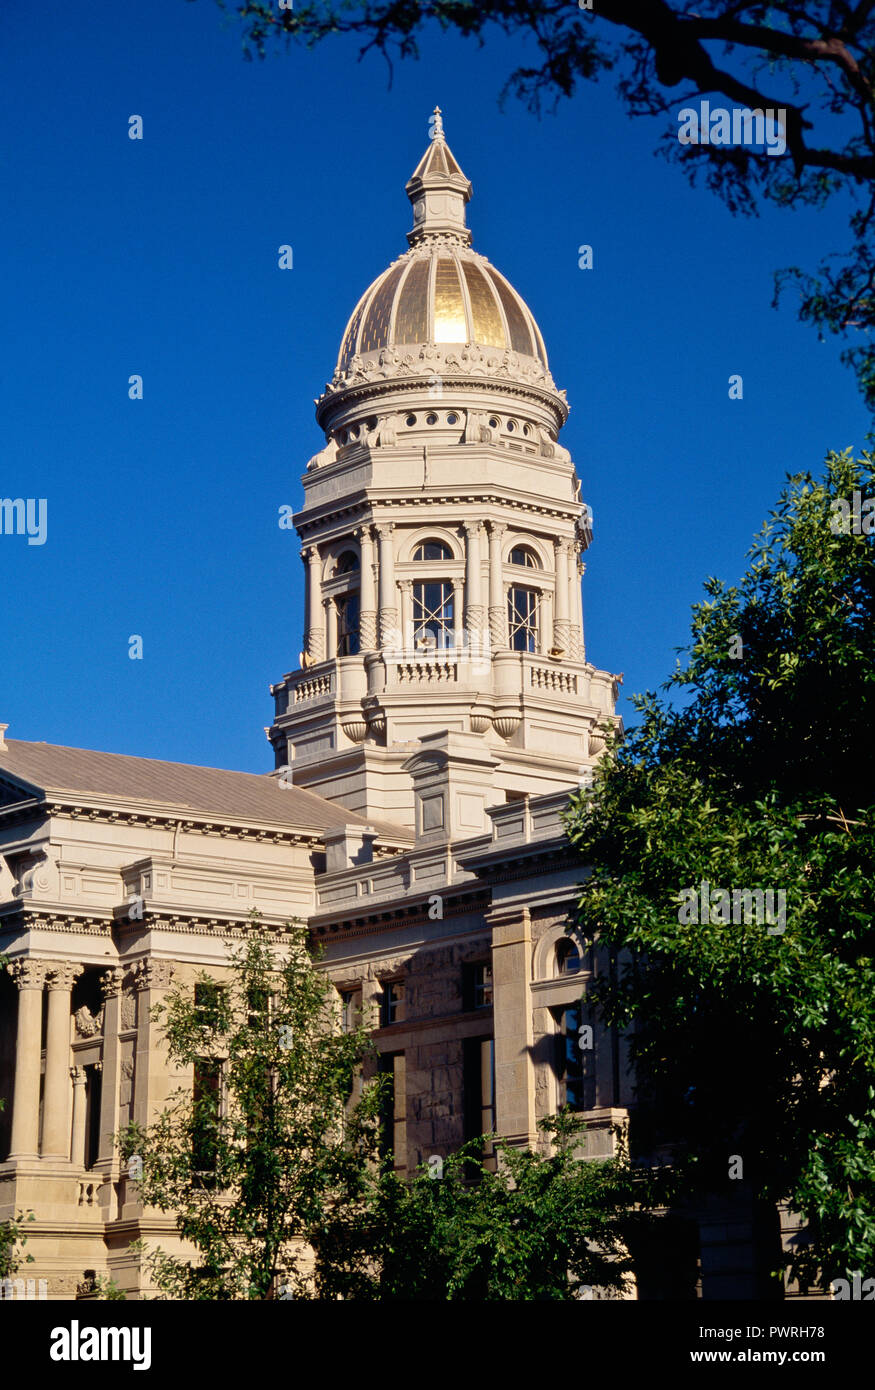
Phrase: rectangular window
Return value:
(522, 618)
(433, 615)
(477, 986)
(392, 1010)
(207, 1112)
(393, 1118)
(575, 1065)
(478, 1091)
(348, 624)
(93, 1086)
(349, 1010)
(209, 1002)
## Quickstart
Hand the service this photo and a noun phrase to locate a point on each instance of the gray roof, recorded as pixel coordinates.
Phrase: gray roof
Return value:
(48, 770)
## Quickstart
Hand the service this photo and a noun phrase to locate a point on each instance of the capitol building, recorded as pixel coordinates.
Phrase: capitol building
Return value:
(442, 709)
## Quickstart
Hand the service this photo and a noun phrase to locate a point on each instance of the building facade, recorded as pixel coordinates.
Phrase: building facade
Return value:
(442, 710)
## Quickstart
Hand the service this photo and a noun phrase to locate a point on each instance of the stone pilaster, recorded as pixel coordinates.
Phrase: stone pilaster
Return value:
(29, 976)
(152, 1079)
(110, 987)
(56, 1088)
(475, 613)
(512, 1024)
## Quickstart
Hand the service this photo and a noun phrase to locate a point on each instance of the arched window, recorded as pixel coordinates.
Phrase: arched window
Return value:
(521, 555)
(522, 618)
(568, 961)
(574, 1059)
(432, 550)
(347, 563)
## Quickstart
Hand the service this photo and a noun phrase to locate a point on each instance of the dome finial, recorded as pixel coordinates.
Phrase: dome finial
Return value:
(438, 190)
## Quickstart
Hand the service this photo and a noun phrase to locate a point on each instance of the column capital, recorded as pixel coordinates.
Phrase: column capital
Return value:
(77, 1076)
(364, 532)
(472, 528)
(384, 529)
(152, 974)
(497, 528)
(62, 975)
(28, 973)
(111, 981)
(310, 553)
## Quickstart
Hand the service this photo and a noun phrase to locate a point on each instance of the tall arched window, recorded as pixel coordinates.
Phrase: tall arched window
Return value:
(433, 608)
(348, 604)
(522, 618)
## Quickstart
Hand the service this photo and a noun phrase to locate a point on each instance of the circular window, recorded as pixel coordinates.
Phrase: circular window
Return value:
(452, 419)
(411, 420)
(525, 429)
(431, 419)
(493, 423)
(511, 426)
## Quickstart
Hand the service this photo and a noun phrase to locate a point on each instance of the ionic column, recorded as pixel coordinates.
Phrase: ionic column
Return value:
(388, 611)
(474, 611)
(77, 1147)
(56, 1087)
(368, 594)
(331, 616)
(561, 625)
(110, 988)
(497, 601)
(29, 976)
(315, 630)
(406, 588)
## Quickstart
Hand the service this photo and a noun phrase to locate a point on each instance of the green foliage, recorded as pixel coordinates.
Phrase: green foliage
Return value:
(755, 770)
(107, 1289)
(12, 1239)
(252, 1158)
(539, 1227)
(815, 61)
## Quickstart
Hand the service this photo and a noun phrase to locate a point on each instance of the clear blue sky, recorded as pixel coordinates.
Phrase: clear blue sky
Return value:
(159, 257)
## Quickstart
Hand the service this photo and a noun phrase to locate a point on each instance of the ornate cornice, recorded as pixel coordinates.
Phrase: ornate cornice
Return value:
(306, 525)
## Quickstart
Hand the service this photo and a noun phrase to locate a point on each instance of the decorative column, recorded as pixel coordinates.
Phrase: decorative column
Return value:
(561, 625)
(574, 605)
(110, 988)
(458, 630)
(497, 600)
(77, 1148)
(513, 1024)
(29, 976)
(331, 617)
(56, 1088)
(368, 594)
(406, 588)
(578, 610)
(315, 630)
(475, 614)
(388, 611)
(545, 634)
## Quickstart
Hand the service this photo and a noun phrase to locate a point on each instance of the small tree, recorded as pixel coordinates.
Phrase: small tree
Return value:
(268, 1141)
(540, 1227)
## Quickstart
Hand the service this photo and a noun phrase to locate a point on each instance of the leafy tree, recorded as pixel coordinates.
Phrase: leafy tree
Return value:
(754, 770)
(814, 59)
(538, 1227)
(267, 1141)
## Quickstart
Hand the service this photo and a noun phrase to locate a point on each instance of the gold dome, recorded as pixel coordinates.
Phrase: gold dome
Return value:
(440, 291)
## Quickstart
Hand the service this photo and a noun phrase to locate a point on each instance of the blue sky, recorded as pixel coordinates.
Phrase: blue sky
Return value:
(159, 257)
